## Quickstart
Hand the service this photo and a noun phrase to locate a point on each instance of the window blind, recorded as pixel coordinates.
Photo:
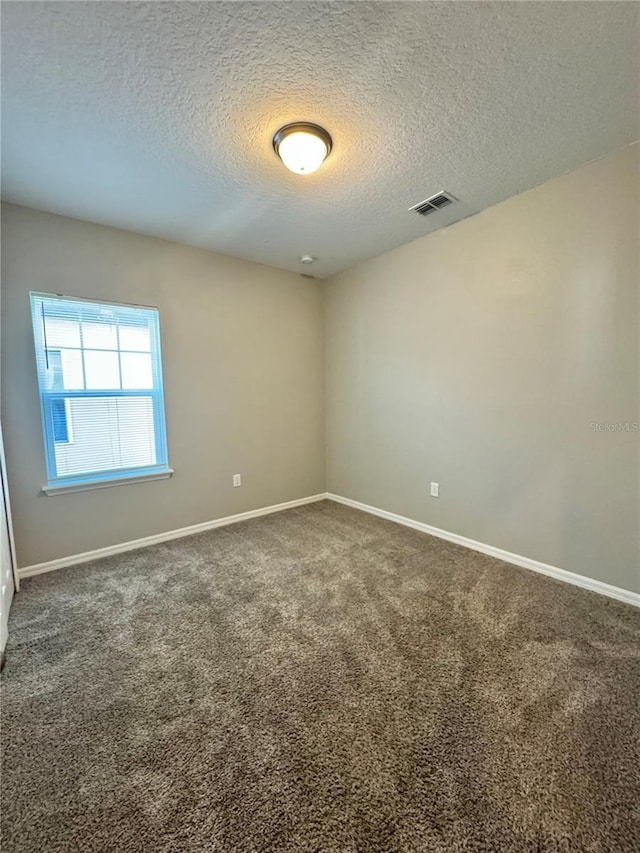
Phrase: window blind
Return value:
(100, 382)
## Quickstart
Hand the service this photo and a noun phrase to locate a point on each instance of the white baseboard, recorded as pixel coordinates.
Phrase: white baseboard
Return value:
(87, 556)
(516, 559)
(524, 562)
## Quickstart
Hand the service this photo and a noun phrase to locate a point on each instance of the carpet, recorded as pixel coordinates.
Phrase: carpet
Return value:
(318, 681)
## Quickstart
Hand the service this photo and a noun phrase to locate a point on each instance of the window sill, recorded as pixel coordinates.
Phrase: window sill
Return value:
(65, 489)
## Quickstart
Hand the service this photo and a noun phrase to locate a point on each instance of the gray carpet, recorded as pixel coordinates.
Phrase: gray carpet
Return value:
(318, 681)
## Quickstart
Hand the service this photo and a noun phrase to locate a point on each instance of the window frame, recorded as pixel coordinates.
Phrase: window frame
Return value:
(56, 483)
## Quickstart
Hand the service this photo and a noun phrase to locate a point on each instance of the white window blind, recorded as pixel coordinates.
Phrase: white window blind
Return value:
(100, 382)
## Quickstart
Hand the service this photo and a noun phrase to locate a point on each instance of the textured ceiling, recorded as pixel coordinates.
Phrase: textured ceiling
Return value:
(158, 117)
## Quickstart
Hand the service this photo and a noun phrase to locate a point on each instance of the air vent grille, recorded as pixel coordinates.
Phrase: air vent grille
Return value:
(433, 203)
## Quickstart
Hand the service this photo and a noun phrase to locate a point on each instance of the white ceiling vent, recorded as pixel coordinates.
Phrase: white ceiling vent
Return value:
(435, 202)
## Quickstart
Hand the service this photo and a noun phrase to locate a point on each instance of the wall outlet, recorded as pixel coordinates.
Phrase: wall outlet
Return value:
(237, 480)
(435, 490)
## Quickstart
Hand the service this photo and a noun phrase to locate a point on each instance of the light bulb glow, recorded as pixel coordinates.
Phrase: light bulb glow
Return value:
(302, 148)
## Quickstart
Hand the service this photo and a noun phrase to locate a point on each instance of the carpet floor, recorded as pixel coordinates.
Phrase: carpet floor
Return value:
(318, 681)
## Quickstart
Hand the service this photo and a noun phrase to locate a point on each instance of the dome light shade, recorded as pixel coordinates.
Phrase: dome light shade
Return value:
(302, 147)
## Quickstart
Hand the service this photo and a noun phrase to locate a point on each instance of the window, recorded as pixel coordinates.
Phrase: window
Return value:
(100, 381)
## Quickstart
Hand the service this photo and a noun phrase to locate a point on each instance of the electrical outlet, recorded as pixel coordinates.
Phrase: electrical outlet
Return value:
(237, 480)
(435, 490)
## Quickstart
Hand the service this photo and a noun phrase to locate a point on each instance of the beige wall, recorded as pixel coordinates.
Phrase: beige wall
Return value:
(243, 372)
(478, 356)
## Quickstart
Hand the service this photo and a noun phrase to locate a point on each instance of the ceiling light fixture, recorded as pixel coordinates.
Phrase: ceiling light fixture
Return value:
(302, 147)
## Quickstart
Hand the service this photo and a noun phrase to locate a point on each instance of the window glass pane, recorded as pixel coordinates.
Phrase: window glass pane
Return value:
(136, 370)
(101, 370)
(108, 433)
(135, 338)
(61, 332)
(71, 363)
(99, 336)
(59, 419)
(52, 375)
(137, 431)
